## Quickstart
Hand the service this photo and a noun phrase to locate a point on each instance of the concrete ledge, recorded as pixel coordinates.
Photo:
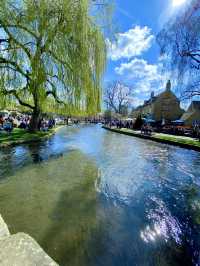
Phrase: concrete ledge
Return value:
(4, 232)
(20, 249)
(165, 141)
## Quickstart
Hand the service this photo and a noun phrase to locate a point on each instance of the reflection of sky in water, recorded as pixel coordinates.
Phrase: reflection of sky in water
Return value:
(142, 191)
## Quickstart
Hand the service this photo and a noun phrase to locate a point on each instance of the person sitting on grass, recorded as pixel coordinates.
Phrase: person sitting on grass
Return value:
(51, 123)
(23, 124)
(8, 125)
(149, 130)
(1, 122)
(44, 125)
(146, 130)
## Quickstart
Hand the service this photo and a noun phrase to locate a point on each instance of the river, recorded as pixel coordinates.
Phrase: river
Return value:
(97, 198)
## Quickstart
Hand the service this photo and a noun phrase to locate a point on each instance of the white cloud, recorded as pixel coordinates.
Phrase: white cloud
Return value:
(137, 68)
(137, 101)
(130, 44)
(145, 77)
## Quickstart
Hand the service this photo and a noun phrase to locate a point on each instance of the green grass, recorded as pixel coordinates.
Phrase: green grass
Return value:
(188, 141)
(173, 139)
(21, 135)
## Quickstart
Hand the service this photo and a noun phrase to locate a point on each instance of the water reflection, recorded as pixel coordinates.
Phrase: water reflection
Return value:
(74, 217)
(164, 224)
(56, 203)
(92, 197)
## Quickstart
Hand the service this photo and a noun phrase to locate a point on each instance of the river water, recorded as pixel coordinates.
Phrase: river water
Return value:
(92, 197)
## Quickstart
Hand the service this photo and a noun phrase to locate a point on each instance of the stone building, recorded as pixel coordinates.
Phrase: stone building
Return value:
(163, 106)
(192, 115)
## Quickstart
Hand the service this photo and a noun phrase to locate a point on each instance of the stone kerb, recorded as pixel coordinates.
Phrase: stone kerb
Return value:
(21, 249)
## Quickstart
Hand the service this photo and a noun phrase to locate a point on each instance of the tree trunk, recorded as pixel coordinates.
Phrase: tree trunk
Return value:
(67, 121)
(35, 119)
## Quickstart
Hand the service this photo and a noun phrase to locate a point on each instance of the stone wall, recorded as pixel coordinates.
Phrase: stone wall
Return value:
(193, 114)
(20, 249)
(166, 106)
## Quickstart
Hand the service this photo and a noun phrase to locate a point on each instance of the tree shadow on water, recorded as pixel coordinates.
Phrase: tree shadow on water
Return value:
(73, 222)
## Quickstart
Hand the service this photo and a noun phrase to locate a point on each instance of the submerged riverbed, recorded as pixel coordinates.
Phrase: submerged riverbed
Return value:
(93, 197)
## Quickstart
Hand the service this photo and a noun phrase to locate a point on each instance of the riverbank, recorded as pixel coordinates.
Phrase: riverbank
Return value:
(20, 136)
(181, 141)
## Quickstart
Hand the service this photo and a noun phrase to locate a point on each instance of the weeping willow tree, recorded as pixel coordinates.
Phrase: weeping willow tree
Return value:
(51, 53)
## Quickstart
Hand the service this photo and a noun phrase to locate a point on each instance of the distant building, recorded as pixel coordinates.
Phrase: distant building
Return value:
(192, 115)
(163, 106)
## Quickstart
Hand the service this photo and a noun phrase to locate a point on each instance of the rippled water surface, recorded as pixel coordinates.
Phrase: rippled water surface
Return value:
(92, 197)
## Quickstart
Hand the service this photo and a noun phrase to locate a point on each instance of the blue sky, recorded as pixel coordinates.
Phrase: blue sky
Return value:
(134, 58)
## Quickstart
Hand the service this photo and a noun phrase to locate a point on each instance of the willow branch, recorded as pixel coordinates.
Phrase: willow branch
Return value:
(59, 60)
(17, 68)
(53, 93)
(10, 35)
(14, 93)
(22, 27)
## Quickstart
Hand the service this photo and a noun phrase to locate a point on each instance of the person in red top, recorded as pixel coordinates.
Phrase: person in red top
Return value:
(1, 120)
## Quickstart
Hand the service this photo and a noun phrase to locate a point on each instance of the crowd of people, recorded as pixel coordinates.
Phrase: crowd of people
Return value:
(8, 122)
(120, 123)
(148, 128)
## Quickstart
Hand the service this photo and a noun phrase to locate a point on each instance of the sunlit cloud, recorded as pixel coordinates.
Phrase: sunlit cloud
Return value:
(137, 68)
(131, 43)
(145, 77)
(176, 3)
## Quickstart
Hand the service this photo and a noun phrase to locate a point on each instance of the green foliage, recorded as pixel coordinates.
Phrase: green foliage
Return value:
(101, 12)
(52, 55)
(138, 123)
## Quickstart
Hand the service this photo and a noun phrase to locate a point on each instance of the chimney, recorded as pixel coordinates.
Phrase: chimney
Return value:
(168, 86)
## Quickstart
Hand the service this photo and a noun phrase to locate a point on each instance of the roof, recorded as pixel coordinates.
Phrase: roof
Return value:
(193, 110)
(153, 99)
(195, 105)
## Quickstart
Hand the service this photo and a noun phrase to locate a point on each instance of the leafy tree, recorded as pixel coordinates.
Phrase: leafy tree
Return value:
(180, 41)
(51, 54)
(117, 97)
(138, 123)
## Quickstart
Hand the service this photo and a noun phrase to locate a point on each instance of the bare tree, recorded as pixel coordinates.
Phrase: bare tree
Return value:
(180, 41)
(117, 97)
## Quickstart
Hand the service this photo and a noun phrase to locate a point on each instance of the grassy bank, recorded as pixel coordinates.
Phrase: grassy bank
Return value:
(181, 141)
(178, 139)
(19, 136)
